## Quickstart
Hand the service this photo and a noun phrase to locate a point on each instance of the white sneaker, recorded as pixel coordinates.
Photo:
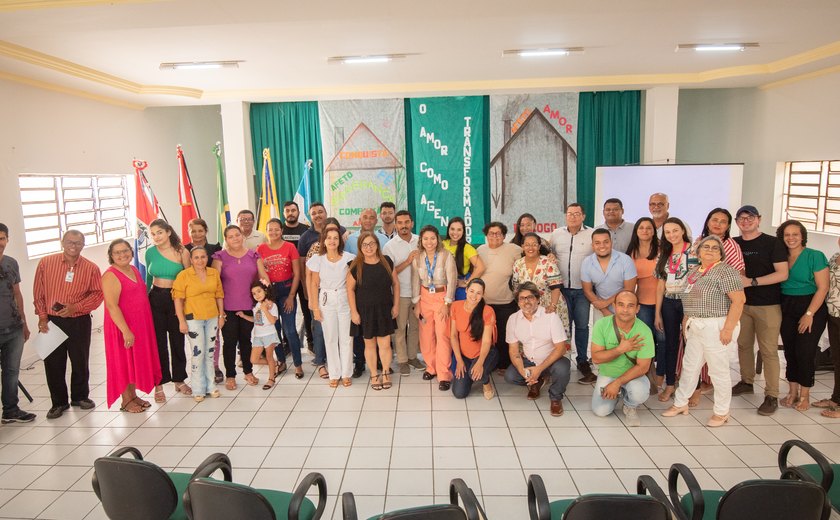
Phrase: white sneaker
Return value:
(631, 417)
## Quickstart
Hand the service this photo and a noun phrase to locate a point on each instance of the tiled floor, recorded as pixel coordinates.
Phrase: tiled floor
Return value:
(393, 448)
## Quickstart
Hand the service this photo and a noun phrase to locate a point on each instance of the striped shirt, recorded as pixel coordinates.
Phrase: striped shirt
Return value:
(734, 256)
(51, 285)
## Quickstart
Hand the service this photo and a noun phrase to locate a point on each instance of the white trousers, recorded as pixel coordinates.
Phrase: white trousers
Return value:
(702, 344)
(335, 311)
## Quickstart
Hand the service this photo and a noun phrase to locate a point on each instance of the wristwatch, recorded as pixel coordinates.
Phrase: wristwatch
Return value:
(809, 313)
(754, 282)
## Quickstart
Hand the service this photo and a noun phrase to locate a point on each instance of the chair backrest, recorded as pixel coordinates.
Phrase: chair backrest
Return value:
(209, 499)
(435, 512)
(617, 507)
(131, 489)
(774, 499)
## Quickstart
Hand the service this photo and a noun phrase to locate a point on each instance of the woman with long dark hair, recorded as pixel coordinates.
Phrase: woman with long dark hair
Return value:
(164, 261)
(675, 261)
(472, 337)
(527, 223)
(467, 261)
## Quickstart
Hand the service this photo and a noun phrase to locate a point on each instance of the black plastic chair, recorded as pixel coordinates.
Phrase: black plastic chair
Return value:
(764, 499)
(822, 472)
(599, 506)
(135, 489)
(210, 499)
(452, 511)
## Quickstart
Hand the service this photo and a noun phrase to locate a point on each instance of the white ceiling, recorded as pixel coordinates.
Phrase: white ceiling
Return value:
(456, 46)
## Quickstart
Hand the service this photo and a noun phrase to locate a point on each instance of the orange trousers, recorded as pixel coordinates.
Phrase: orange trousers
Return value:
(434, 335)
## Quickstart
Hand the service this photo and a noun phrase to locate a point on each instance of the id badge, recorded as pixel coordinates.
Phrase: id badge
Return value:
(432, 289)
(69, 276)
(671, 279)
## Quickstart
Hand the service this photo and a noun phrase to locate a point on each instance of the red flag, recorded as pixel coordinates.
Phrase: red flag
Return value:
(186, 196)
(147, 203)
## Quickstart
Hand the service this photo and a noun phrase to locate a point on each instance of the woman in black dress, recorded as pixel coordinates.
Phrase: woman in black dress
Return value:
(373, 292)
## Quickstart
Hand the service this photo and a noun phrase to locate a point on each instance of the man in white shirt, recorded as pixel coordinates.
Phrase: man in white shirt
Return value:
(544, 347)
(402, 249)
(245, 220)
(620, 230)
(571, 244)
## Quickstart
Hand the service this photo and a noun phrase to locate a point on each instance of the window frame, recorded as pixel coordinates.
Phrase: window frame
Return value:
(825, 194)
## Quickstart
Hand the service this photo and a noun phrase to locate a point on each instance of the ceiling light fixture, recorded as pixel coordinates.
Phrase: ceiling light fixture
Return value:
(716, 47)
(367, 58)
(542, 52)
(198, 65)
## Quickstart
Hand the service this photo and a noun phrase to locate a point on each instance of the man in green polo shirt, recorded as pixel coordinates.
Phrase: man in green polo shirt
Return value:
(622, 347)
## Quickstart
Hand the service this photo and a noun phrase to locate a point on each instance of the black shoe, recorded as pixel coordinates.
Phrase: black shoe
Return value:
(18, 416)
(427, 376)
(358, 370)
(444, 386)
(769, 406)
(57, 411)
(742, 388)
(84, 404)
(218, 377)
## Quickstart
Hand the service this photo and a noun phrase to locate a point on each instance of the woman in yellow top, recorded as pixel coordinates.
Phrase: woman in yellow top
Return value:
(199, 305)
(467, 261)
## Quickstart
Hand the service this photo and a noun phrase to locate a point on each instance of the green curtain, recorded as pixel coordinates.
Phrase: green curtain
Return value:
(293, 134)
(609, 134)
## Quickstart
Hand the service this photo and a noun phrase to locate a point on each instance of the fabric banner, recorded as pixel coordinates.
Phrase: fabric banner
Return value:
(448, 162)
(533, 165)
(363, 143)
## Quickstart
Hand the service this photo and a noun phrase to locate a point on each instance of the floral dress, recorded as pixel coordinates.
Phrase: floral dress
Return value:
(545, 274)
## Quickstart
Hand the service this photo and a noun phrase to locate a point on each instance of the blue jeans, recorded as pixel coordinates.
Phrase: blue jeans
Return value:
(286, 323)
(461, 386)
(579, 315)
(672, 316)
(647, 313)
(202, 338)
(11, 349)
(634, 392)
(318, 344)
(560, 372)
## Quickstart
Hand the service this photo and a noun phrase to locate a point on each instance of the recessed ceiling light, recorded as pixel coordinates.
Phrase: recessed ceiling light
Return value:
(716, 47)
(367, 58)
(228, 64)
(542, 52)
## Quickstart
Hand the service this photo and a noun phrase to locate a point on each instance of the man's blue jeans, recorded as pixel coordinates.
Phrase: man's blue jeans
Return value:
(11, 349)
(579, 315)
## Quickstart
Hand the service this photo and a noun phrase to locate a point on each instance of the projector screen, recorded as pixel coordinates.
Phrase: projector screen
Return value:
(693, 190)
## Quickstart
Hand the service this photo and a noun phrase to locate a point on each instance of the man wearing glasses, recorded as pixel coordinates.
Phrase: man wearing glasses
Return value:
(766, 267)
(13, 333)
(245, 220)
(658, 206)
(571, 244)
(544, 348)
(66, 290)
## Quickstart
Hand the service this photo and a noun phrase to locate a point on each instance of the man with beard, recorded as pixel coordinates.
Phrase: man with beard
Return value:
(387, 213)
(292, 231)
(659, 206)
(606, 272)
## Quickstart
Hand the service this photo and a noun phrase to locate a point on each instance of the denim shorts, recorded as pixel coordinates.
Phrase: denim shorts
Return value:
(265, 341)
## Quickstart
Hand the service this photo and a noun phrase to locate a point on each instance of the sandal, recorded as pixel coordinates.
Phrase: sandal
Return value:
(251, 379)
(322, 372)
(802, 405)
(298, 372)
(386, 380)
(824, 403)
(183, 388)
(788, 401)
(268, 384)
(281, 367)
(230, 383)
(144, 404)
(833, 412)
(333, 383)
(160, 396)
(346, 382)
(375, 383)
(132, 407)
(666, 394)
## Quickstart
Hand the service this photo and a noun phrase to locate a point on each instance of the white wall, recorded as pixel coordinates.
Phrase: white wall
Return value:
(762, 128)
(48, 132)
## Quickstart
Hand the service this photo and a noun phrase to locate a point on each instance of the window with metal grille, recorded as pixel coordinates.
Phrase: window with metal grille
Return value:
(811, 194)
(96, 205)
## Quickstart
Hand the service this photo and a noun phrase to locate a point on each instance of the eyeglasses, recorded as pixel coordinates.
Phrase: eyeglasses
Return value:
(656, 204)
(746, 218)
(369, 245)
(494, 233)
(530, 297)
(74, 243)
(121, 252)
(575, 214)
(709, 248)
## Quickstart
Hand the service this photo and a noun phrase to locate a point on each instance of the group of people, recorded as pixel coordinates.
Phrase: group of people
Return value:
(670, 308)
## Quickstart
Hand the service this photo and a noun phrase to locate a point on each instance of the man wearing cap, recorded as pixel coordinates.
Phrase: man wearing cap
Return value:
(766, 267)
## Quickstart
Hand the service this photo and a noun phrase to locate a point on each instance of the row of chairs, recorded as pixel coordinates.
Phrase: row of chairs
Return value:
(132, 488)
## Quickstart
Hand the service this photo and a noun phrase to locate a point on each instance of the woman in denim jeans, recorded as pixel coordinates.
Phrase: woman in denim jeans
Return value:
(280, 259)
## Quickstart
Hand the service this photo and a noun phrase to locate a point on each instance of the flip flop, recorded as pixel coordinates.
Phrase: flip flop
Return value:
(230, 383)
(144, 404)
(824, 403)
(832, 412)
(160, 396)
(135, 409)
